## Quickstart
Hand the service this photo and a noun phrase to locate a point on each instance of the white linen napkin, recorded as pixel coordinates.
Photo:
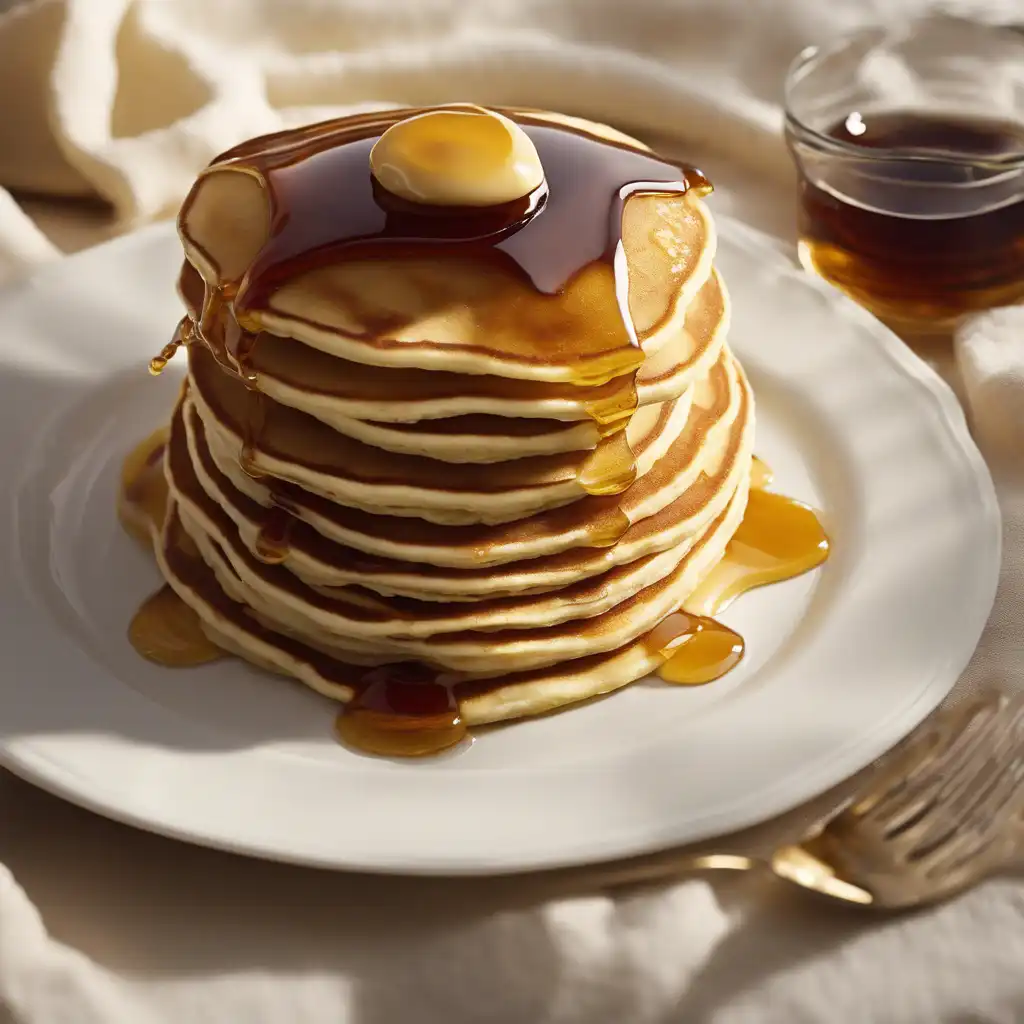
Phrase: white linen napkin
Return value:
(99, 923)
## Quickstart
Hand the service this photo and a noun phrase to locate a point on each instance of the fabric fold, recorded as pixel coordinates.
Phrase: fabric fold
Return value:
(126, 100)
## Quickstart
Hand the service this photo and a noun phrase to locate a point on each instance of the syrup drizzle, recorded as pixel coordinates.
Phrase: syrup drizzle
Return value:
(234, 348)
(272, 540)
(610, 469)
(167, 631)
(606, 529)
(696, 649)
(142, 499)
(402, 710)
(164, 629)
(778, 538)
(159, 362)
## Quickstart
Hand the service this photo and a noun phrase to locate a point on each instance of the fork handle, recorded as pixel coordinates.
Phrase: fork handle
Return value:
(649, 872)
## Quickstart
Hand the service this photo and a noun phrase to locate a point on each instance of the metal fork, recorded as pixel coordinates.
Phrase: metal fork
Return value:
(941, 814)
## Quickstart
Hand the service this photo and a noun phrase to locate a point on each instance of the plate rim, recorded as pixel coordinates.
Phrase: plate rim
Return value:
(25, 759)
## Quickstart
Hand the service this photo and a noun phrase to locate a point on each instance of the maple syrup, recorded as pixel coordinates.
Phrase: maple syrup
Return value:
(272, 540)
(919, 217)
(159, 362)
(610, 469)
(328, 207)
(761, 475)
(402, 710)
(142, 499)
(612, 412)
(606, 528)
(778, 538)
(696, 649)
(167, 631)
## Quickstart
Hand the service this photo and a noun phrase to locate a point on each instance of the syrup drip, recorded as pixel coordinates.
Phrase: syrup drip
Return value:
(234, 349)
(252, 431)
(159, 362)
(242, 351)
(761, 475)
(610, 469)
(696, 649)
(779, 538)
(272, 540)
(402, 710)
(167, 631)
(142, 502)
(613, 412)
(607, 528)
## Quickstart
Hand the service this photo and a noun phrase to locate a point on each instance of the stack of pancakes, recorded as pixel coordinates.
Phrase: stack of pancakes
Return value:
(463, 489)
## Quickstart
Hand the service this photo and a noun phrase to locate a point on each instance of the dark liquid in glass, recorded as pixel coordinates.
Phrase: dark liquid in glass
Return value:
(919, 242)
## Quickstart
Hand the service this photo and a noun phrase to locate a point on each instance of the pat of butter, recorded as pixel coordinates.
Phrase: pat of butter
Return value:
(457, 157)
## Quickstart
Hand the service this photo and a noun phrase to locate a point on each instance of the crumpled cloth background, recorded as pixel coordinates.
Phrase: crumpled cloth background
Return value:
(109, 107)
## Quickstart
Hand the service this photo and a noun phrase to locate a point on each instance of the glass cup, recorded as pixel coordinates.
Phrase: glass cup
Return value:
(909, 147)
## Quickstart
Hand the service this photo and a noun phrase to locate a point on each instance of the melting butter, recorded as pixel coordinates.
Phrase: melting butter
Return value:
(461, 156)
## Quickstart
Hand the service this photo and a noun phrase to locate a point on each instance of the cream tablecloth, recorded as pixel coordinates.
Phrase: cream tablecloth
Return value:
(98, 923)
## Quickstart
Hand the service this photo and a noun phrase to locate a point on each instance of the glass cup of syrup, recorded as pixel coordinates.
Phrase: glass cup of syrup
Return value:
(909, 147)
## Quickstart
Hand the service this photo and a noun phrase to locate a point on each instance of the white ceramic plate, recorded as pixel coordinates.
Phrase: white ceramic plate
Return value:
(841, 663)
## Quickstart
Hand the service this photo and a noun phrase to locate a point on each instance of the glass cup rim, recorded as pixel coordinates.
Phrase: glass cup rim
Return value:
(807, 134)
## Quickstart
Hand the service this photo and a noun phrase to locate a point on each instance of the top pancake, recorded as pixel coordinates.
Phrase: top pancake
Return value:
(452, 314)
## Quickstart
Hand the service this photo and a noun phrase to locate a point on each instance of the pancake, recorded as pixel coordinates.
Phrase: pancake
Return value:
(360, 612)
(684, 489)
(595, 521)
(502, 445)
(298, 449)
(357, 623)
(453, 313)
(214, 592)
